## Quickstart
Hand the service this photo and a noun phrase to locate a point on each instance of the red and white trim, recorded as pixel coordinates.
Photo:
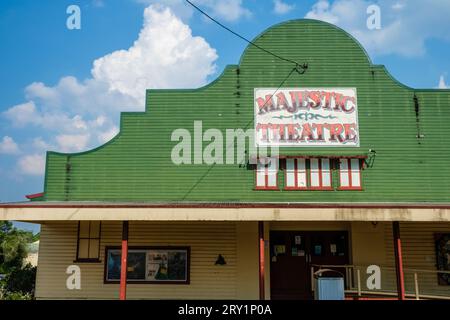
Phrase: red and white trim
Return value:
(320, 174)
(296, 174)
(267, 174)
(350, 174)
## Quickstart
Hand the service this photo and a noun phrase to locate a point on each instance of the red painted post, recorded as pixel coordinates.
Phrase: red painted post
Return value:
(123, 261)
(261, 260)
(398, 260)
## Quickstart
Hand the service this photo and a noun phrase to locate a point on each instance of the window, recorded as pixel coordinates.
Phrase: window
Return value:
(267, 174)
(149, 265)
(88, 244)
(296, 174)
(349, 174)
(320, 174)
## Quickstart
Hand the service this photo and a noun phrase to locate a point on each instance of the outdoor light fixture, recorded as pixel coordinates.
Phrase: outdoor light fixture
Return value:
(370, 158)
(220, 261)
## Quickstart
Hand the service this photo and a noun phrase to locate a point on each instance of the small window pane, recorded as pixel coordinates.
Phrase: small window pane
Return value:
(272, 172)
(314, 173)
(301, 173)
(290, 174)
(326, 176)
(355, 173)
(94, 249)
(261, 175)
(343, 170)
(83, 248)
(84, 229)
(95, 229)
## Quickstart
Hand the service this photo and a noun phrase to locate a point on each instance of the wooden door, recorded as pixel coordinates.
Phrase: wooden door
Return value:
(288, 266)
(329, 248)
(292, 253)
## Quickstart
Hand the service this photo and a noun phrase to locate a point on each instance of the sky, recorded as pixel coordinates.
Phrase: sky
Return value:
(63, 89)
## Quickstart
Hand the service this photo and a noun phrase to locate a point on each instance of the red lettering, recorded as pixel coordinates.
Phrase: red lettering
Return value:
(314, 96)
(265, 104)
(349, 132)
(335, 132)
(306, 132)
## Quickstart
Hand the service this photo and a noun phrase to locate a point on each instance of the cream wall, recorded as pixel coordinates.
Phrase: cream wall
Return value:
(206, 239)
(238, 243)
(374, 244)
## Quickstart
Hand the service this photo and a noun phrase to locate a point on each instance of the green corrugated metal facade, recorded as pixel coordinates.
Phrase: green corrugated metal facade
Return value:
(411, 140)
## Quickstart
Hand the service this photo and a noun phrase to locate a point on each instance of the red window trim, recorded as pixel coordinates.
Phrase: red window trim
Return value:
(320, 187)
(296, 187)
(349, 170)
(266, 177)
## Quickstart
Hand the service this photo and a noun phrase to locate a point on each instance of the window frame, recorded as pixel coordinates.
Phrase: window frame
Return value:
(266, 177)
(149, 248)
(320, 187)
(349, 173)
(88, 260)
(296, 187)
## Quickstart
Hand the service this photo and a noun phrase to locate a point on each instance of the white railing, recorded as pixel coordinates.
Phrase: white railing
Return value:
(354, 285)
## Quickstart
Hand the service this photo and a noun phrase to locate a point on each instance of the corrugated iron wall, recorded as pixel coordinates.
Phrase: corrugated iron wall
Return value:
(410, 136)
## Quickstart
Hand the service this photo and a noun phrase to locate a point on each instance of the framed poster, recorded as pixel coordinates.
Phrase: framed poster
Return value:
(149, 265)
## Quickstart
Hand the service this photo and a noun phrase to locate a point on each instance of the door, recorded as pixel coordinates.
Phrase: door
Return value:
(288, 266)
(292, 253)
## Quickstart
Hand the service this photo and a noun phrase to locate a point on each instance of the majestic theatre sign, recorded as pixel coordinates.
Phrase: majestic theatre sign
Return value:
(295, 117)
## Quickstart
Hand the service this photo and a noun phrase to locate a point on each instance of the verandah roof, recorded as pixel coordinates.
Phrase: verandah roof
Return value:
(66, 211)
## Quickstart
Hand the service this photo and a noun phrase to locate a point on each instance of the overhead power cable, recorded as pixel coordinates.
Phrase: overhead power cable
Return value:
(300, 68)
(232, 144)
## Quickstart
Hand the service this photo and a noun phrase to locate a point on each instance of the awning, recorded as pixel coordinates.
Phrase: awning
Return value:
(67, 211)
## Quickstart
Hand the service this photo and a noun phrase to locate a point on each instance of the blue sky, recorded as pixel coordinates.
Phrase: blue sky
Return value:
(64, 89)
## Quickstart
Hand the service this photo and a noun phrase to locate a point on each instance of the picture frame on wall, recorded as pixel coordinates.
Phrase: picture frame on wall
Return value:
(170, 265)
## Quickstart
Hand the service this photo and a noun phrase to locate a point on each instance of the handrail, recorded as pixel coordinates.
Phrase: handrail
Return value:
(350, 287)
(382, 267)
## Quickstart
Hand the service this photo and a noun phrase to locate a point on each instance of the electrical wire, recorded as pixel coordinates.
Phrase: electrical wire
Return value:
(300, 68)
(232, 144)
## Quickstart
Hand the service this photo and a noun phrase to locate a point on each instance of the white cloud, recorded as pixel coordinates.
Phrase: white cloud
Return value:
(8, 146)
(74, 115)
(405, 25)
(442, 84)
(166, 55)
(108, 135)
(228, 10)
(72, 142)
(280, 7)
(40, 145)
(33, 164)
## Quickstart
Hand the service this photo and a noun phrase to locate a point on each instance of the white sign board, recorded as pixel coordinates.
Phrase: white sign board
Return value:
(306, 117)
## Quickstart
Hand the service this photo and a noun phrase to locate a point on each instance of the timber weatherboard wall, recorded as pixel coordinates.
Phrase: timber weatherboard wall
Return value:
(58, 247)
(411, 163)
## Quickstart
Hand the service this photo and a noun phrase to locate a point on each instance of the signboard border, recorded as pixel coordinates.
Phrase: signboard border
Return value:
(275, 90)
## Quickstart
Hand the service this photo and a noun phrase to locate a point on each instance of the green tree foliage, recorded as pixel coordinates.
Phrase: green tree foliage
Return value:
(18, 282)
